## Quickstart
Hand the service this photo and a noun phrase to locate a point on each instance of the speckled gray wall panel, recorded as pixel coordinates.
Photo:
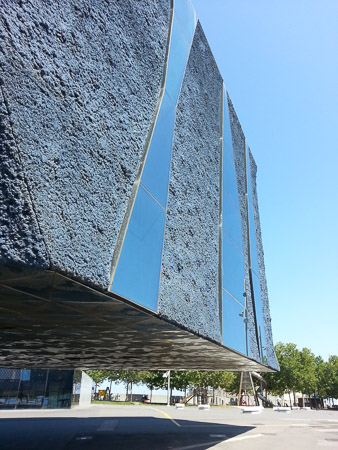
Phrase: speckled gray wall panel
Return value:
(81, 79)
(271, 356)
(189, 276)
(20, 237)
(238, 143)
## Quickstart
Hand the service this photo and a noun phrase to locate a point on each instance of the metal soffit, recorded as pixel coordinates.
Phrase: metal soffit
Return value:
(49, 320)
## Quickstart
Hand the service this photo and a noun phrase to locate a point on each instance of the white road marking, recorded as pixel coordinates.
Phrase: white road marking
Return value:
(328, 430)
(241, 438)
(108, 425)
(294, 419)
(198, 445)
(328, 444)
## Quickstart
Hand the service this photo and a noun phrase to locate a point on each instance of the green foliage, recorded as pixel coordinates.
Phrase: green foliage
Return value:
(331, 376)
(302, 371)
(97, 376)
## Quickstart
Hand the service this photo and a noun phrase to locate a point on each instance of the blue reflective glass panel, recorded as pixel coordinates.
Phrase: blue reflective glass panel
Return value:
(227, 138)
(259, 315)
(233, 324)
(186, 14)
(252, 227)
(232, 269)
(178, 57)
(138, 271)
(231, 220)
(155, 174)
(229, 177)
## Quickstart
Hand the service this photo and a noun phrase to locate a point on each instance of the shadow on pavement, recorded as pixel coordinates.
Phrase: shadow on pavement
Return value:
(126, 433)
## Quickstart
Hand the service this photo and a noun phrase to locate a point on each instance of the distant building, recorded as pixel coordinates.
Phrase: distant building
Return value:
(130, 233)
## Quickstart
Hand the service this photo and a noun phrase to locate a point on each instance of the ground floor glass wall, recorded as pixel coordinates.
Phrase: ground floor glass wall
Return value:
(35, 388)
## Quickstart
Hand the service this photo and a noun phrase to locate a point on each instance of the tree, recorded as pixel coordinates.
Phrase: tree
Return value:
(97, 376)
(287, 380)
(130, 377)
(153, 379)
(307, 377)
(113, 375)
(331, 375)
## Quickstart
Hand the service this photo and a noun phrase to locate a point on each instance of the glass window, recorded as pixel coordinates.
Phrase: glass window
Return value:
(59, 389)
(138, 271)
(155, 174)
(32, 389)
(231, 220)
(233, 323)
(259, 314)
(229, 177)
(186, 14)
(178, 57)
(232, 269)
(227, 137)
(252, 227)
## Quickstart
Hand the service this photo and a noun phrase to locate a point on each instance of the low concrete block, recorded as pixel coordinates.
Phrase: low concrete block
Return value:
(285, 409)
(180, 405)
(203, 406)
(251, 409)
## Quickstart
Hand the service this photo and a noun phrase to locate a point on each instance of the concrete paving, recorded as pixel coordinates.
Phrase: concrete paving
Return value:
(160, 427)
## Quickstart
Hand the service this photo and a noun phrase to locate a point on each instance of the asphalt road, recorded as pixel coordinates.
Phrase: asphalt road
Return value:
(161, 427)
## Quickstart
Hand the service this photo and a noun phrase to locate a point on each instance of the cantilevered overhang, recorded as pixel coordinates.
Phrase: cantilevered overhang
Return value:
(50, 321)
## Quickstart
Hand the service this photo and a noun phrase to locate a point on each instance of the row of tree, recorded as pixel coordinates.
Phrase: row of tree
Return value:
(300, 371)
(198, 381)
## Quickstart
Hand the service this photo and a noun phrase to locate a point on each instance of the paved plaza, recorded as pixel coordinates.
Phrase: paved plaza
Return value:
(160, 427)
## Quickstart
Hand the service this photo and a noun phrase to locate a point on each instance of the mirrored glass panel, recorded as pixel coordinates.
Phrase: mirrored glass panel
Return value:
(233, 324)
(252, 227)
(232, 269)
(229, 177)
(178, 57)
(259, 315)
(155, 174)
(232, 221)
(138, 271)
(227, 138)
(186, 14)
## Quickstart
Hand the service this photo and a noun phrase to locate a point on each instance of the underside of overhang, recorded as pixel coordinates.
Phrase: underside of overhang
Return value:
(48, 320)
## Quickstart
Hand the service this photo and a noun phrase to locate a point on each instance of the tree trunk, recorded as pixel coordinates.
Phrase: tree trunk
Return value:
(127, 392)
(131, 391)
(151, 395)
(294, 399)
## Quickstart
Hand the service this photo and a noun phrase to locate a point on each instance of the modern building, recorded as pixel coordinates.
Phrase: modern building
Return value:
(130, 232)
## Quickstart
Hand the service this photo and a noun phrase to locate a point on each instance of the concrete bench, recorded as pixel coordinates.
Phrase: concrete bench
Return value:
(203, 406)
(251, 409)
(284, 409)
(180, 405)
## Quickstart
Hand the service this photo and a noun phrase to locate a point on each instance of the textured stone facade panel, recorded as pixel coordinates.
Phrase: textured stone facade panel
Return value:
(271, 356)
(189, 278)
(82, 80)
(238, 144)
(20, 238)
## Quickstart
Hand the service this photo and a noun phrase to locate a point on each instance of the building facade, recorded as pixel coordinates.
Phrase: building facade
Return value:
(130, 223)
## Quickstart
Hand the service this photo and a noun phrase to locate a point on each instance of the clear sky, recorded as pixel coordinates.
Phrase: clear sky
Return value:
(279, 62)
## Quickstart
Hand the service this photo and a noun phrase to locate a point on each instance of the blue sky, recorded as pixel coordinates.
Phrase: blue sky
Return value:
(279, 62)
